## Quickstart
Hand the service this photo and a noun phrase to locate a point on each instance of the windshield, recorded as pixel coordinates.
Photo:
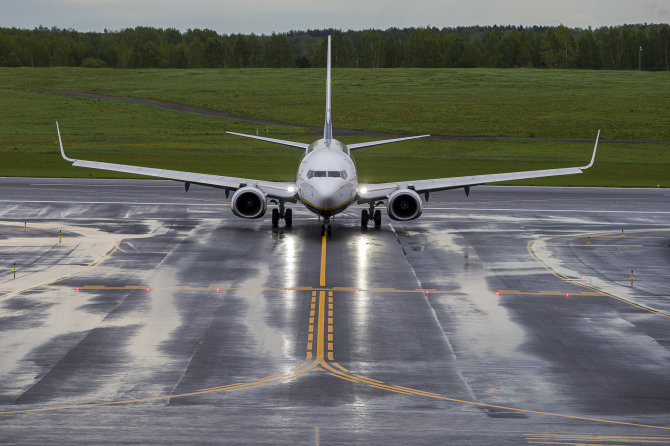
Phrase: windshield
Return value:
(327, 173)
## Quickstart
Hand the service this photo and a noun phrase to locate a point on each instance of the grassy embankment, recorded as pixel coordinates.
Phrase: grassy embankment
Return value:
(522, 103)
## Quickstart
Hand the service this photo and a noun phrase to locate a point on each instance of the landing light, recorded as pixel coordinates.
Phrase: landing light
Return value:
(291, 189)
(363, 190)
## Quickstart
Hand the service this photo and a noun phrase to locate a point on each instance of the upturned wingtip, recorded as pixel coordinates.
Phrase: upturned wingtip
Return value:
(593, 157)
(60, 142)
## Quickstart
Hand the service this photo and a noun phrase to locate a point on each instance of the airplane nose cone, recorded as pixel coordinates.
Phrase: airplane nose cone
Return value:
(327, 194)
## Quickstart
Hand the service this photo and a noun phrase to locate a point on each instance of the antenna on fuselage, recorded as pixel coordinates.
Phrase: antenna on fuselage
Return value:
(328, 126)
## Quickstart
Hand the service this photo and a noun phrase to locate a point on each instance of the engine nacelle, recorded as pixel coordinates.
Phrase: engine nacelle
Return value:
(248, 202)
(404, 205)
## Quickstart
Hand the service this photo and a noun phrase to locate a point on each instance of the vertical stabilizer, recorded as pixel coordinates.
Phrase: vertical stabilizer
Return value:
(328, 126)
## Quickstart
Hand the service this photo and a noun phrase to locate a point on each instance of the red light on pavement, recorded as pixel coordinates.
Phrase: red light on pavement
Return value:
(217, 290)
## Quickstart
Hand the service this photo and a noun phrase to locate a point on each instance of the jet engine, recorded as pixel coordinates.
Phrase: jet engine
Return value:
(248, 202)
(404, 205)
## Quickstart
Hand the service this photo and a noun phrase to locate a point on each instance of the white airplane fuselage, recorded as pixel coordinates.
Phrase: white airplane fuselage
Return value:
(326, 181)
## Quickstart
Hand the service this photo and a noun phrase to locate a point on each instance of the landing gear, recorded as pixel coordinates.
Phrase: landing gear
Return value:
(371, 215)
(365, 217)
(288, 218)
(275, 217)
(325, 227)
(282, 213)
(378, 219)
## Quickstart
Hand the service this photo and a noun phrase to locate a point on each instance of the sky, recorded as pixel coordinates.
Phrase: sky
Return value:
(268, 16)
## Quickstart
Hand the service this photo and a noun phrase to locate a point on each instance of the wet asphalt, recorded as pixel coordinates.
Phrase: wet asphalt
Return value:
(505, 317)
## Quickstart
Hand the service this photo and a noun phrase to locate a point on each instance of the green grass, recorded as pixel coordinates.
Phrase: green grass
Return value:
(537, 103)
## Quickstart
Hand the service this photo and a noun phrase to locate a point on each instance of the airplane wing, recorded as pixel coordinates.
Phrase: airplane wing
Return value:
(380, 191)
(273, 189)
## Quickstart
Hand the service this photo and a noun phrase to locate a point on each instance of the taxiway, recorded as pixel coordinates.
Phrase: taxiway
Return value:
(141, 314)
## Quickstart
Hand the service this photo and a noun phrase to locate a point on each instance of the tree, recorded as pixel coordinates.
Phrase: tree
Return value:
(424, 49)
(371, 52)
(277, 52)
(59, 52)
(9, 52)
(586, 51)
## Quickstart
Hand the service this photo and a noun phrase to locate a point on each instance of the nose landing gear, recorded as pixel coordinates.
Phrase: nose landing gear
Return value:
(325, 227)
(282, 214)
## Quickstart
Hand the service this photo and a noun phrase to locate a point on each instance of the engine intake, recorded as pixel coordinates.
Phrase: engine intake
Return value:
(404, 205)
(248, 202)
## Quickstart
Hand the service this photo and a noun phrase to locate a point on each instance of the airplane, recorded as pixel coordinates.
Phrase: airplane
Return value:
(326, 181)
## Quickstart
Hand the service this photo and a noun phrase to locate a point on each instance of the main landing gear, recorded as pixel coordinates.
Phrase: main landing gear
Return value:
(371, 215)
(283, 214)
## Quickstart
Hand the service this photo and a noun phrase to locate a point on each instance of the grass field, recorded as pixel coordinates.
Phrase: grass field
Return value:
(522, 103)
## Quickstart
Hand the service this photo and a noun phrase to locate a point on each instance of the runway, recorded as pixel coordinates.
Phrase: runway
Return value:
(142, 314)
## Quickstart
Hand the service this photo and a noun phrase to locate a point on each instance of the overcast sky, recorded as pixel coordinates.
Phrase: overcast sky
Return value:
(267, 16)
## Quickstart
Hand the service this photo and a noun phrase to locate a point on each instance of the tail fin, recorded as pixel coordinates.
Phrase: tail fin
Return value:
(328, 126)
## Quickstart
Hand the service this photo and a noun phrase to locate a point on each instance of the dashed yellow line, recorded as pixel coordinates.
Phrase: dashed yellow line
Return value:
(310, 329)
(330, 326)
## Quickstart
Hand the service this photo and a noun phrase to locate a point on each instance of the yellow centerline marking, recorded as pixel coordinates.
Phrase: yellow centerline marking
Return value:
(322, 277)
(609, 246)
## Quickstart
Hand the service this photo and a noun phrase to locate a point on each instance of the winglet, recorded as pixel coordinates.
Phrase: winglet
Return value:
(62, 152)
(593, 158)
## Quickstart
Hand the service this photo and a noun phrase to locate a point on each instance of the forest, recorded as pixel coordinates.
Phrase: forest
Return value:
(609, 48)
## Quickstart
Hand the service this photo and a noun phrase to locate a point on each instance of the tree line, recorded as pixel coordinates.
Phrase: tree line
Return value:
(615, 48)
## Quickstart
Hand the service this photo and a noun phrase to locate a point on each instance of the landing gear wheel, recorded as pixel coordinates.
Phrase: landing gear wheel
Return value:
(365, 217)
(378, 219)
(275, 217)
(288, 218)
(323, 230)
(329, 231)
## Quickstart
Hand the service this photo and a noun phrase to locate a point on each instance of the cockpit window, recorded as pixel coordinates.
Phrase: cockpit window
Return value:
(326, 173)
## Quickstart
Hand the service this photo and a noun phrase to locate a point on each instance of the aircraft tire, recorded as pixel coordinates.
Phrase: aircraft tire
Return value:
(365, 217)
(378, 219)
(288, 217)
(275, 217)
